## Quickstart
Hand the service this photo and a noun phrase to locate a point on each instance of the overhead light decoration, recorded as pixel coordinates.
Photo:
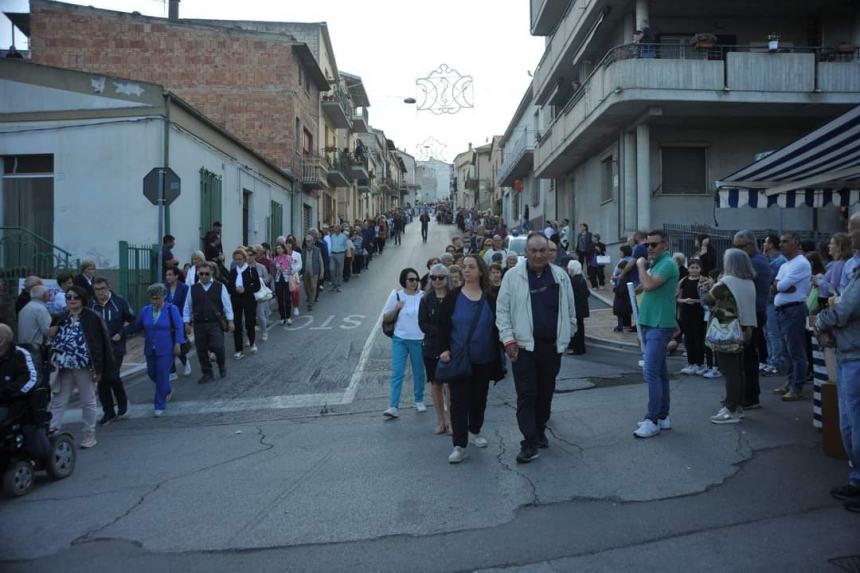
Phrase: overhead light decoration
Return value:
(430, 148)
(444, 91)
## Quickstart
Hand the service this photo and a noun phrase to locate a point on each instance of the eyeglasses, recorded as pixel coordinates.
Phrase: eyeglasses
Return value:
(653, 245)
(412, 279)
(72, 297)
(437, 277)
(203, 274)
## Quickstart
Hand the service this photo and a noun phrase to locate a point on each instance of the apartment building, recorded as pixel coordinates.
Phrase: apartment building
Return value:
(643, 104)
(434, 177)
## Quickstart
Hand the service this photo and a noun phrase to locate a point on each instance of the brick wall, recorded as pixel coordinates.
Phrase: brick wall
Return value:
(245, 82)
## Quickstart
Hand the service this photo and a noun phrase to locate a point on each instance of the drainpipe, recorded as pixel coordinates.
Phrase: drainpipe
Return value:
(166, 157)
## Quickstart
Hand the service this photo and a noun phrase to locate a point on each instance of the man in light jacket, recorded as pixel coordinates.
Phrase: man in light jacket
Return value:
(843, 321)
(536, 318)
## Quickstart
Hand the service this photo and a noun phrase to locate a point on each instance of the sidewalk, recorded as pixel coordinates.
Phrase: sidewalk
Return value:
(601, 322)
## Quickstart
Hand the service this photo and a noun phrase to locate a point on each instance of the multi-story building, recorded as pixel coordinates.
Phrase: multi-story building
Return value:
(645, 103)
(496, 157)
(410, 186)
(434, 177)
(463, 180)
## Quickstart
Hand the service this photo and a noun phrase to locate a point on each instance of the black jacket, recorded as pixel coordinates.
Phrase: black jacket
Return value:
(443, 332)
(98, 340)
(81, 281)
(116, 314)
(580, 296)
(250, 278)
(18, 374)
(428, 322)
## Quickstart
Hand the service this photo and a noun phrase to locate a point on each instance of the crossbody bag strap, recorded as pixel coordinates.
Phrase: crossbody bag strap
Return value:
(218, 315)
(474, 324)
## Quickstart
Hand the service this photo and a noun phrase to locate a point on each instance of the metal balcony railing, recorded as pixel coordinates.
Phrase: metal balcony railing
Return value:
(314, 170)
(524, 142)
(339, 95)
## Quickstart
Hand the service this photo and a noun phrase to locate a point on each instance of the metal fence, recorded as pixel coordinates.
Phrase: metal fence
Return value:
(24, 253)
(138, 268)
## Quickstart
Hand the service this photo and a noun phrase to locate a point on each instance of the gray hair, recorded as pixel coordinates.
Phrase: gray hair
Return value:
(437, 269)
(446, 257)
(38, 292)
(746, 236)
(157, 289)
(736, 263)
(31, 281)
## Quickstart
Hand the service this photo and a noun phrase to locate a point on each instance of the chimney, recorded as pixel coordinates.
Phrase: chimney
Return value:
(173, 10)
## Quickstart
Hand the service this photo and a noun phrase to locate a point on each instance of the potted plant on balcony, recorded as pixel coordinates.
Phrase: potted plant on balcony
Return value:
(773, 43)
(703, 40)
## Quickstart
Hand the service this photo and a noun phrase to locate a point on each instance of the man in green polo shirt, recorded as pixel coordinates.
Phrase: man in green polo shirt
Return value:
(657, 325)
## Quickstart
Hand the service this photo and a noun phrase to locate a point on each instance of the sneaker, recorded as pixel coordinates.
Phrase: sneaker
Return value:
(420, 406)
(542, 442)
(283, 322)
(289, 321)
(107, 419)
(296, 311)
(646, 429)
(527, 454)
(792, 396)
(665, 423)
(691, 369)
(187, 370)
(724, 416)
(265, 336)
(122, 414)
(458, 455)
(712, 373)
(88, 441)
(700, 369)
(753, 406)
(391, 413)
(477, 440)
(173, 377)
(762, 366)
(239, 355)
(158, 413)
(205, 379)
(780, 390)
(846, 492)
(253, 349)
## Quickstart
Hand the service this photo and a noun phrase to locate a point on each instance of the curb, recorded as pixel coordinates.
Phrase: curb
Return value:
(613, 343)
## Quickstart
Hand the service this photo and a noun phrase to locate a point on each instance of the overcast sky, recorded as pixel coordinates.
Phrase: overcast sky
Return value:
(391, 43)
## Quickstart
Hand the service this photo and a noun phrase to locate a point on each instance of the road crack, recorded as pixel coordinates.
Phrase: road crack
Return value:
(500, 458)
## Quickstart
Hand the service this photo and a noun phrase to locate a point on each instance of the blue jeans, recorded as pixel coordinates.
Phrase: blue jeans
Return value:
(656, 372)
(848, 390)
(158, 369)
(775, 350)
(792, 329)
(402, 348)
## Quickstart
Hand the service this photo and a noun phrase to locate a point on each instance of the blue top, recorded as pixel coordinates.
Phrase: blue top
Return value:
(851, 265)
(639, 251)
(338, 242)
(178, 297)
(762, 280)
(481, 347)
(544, 301)
(159, 340)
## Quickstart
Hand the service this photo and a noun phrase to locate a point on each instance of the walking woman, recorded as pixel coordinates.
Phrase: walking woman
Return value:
(313, 270)
(402, 305)
(580, 301)
(242, 282)
(197, 259)
(467, 323)
(83, 356)
(733, 297)
(428, 320)
(692, 318)
(162, 325)
(283, 265)
(255, 255)
(177, 292)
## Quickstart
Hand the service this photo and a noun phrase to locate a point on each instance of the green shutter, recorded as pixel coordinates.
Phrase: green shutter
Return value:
(276, 226)
(210, 200)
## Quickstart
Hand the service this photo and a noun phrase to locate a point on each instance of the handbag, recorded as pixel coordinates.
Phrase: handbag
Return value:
(388, 325)
(185, 347)
(264, 294)
(725, 337)
(294, 283)
(812, 302)
(460, 365)
(603, 260)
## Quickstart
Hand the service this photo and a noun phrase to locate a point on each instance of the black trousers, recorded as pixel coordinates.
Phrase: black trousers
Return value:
(732, 367)
(534, 378)
(357, 264)
(282, 293)
(577, 343)
(424, 229)
(244, 308)
(468, 403)
(110, 387)
(751, 362)
(209, 336)
(760, 336)
(694, 338)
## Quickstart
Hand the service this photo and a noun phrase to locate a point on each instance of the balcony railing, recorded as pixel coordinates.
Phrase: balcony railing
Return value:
(360, 123)
(339, 173)
(562, 38)
(518, 155)
(338, 108)
(314, 172)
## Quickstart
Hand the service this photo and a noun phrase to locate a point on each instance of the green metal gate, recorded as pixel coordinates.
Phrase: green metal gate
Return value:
(138, 268)
(210, 201)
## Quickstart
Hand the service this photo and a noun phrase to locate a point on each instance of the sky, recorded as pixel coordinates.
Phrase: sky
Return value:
(390, 44)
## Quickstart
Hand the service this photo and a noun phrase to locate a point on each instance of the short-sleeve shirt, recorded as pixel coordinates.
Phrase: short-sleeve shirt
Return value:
(657, 308)
(639, 251)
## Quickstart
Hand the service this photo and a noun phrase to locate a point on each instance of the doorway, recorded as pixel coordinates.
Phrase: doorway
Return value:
(246, 215)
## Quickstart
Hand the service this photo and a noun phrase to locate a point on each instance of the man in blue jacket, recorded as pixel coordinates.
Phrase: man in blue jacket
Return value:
(116, 313)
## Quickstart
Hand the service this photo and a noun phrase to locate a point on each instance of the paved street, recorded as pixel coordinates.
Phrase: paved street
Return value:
(288, 465)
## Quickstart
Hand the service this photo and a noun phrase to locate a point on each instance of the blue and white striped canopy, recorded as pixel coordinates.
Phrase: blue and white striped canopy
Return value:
(818, 169)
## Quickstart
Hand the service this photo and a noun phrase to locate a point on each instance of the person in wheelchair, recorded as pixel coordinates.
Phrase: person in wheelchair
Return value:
(18, 377)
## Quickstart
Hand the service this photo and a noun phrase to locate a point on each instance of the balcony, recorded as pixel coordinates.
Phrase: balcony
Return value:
(519, 158)
(545, 15)
(360, 122)
(634, 77)
(575, 24)
(363, 185)
(339, 174)
(358, 165)
(337, 108)
(314, 172)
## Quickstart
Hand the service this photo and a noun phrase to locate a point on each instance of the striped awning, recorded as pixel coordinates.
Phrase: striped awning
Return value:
(818, 169)
(727, 198)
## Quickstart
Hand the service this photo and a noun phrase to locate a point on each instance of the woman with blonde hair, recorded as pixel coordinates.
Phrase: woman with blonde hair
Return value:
(197, 259)
(456, 274)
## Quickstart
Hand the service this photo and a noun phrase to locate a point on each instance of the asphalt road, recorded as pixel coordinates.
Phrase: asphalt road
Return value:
(288, 465)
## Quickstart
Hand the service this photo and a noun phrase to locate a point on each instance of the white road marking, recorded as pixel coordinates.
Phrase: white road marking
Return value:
(349, 394)
(324, 325)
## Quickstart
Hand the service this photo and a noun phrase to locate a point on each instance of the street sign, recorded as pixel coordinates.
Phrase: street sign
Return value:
(161, 178)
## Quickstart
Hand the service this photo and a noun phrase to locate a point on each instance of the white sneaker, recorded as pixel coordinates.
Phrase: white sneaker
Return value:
(458, 455)
(253, 349)
(239, 355)
(477, 440)
(187, 370)
(88, 441)
(726, 417)
(420, 406)
(265, 336)
(172, 376)
(700, 369)
(296, 311)
(666, 423)
(158, 413)
(689, 369)
(646, 429)
(712, 373)
(289, 321)
(391, 413)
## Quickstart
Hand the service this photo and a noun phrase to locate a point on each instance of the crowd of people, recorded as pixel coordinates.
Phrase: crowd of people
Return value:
(77, 334)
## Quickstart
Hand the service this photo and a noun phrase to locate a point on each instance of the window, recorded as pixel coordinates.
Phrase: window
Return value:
(298, 135)
(27, 200)
(210, 201)
(684, 170)
(307, 142)
(607, 180)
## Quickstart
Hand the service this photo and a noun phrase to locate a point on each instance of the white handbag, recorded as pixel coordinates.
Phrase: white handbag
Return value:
(724, 337)
(264, 294)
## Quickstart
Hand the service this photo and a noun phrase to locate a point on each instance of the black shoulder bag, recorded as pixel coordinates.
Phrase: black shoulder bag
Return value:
(388, 325)
(460, 365)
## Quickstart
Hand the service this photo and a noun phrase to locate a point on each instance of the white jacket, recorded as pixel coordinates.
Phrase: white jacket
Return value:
(514, 309)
